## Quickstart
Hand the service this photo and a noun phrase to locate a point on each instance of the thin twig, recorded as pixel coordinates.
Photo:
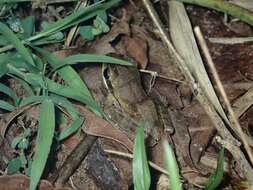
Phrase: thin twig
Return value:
(127, 155)
(152, 73)
(235, 123)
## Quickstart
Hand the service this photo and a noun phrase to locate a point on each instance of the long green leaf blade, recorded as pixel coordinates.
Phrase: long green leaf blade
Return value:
(31, 100)
(68, 74)
(90, 58)
(172, 167)
(12, 38)
(216, 178)
(66, 104)
(6, 106)
(74, 126)
(8, 91)
(75, 18)
(141, 174)
(71, 77)
(43, 142)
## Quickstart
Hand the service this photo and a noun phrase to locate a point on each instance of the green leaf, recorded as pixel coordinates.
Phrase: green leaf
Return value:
(8, 91)
(56, 36)
(28, 26)
(75, 18)
(43, 142)
(32, 99)
(101, 25)
(23, 144)
(66, 104)
(21, 140)
(141, 174)
(3, 64)
(67, 73)
(6, 106)
(3, 69)
(36, 80)
(86, 32)
(12, 38)
(3, 41)
(14, 165)
(72, 93)
(71, 77)
(215, 179)
(15, 141)
(103, 16)
(25, 85)
(90, 58)
(172, 168)
(71, 129)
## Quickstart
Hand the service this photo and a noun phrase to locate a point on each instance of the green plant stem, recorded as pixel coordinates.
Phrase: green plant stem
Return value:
(225, 7)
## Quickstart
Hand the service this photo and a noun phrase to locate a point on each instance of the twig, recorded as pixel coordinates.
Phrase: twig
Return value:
(127, 155)
(235, 123)
(225, 7)
(217, 121)
(237, 40)
(74, 159)
(154, 73)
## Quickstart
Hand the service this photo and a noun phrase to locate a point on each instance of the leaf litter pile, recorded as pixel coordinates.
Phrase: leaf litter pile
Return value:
(126, 94)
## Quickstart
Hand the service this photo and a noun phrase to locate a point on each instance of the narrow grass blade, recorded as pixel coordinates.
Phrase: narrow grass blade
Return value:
(3, 64)
(66, 104)
(3, 69)
(172, 167)
(8, 91)
(89, 58)
(216, 178)
(75, 18)
(28, 26)
(68, 74)
(13, 39)
(6, 106)
(31, 100)
(25, 85)
(44, 141)
(74, 126)
(141, 174)
(72, 93)
(71, 77)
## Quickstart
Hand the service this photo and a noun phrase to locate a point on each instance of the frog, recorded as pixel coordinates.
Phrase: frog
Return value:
(124, 84)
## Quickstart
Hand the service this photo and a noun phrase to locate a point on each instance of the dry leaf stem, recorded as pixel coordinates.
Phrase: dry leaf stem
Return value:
(217, 121)
(235, 123)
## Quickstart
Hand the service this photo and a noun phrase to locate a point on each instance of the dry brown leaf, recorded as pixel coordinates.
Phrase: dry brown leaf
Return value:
(97, 126)
(137, 49)
(21, 182)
